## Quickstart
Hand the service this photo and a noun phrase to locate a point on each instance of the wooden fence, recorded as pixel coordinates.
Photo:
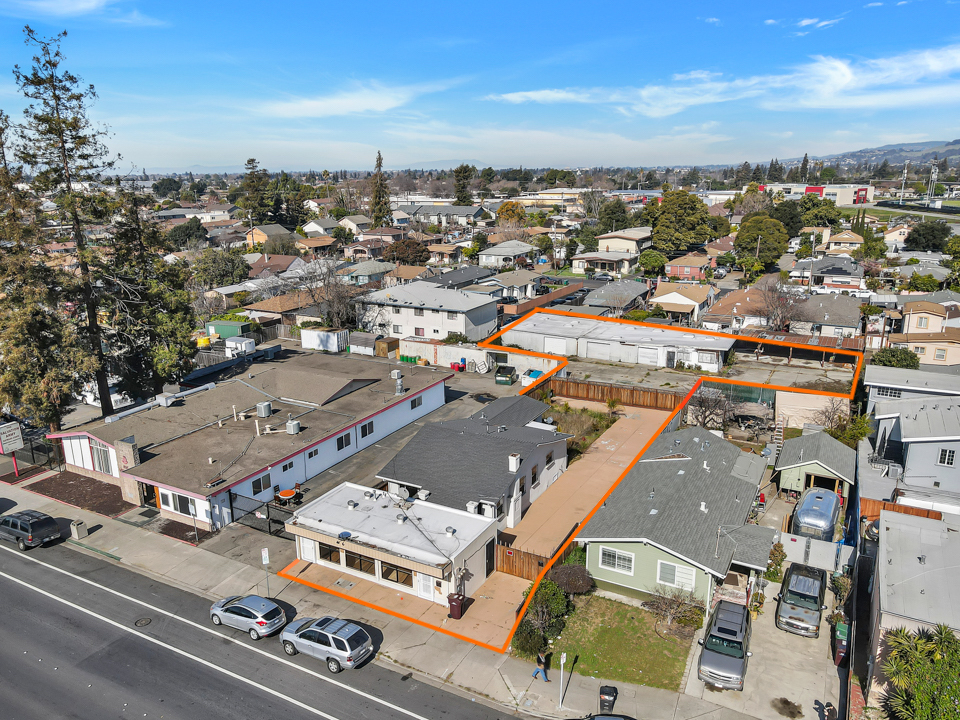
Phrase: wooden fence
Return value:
(631, 395)
(871, 510)
(523, 564)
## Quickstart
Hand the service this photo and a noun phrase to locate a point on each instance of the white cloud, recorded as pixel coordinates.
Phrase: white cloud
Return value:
(770, 22)
(828, 23)
(808, 21)
(58, 7)
(372, 97)
(799, 34)
(712, 20)
(903, 2)
(913, 78)
(869, 5)
(136, 18)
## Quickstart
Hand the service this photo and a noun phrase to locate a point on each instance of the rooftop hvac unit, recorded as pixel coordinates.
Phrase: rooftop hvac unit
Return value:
(395, 374)
(264, 409)
(472, 507)
(293, 427)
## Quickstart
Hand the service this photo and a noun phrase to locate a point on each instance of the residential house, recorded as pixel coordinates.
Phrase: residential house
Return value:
(620, 342)
(319, 204)
(816, 459)
(620, 296)
(919, 441)
(721, 246)
(366, 250)
(401, 219)
(320, 226)
(557, 233)
(677, 520)
(460, 278)
(411, 546)
(613, 261)
(319, 245)
(843, 243)
(915, 586)
(384, 234)
(522, 284)
(404, 274)
(889, 383)
(924, 267)
(683, 302)
(290, 308)
(921, 316)
(735, 310)
(369, 271)
(260, 234)
(444, 254)
(504, 459)
(935, 349)
(356, 223)
(510, 252)
(690, 267)
(270, 265)
(629, 240)
(834, 315)
(835, 273)
(58, 248)
(443, 215)
(423, 309)
(895, 237)
(214, 453)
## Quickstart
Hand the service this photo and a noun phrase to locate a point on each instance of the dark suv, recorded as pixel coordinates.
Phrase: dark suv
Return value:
(29, 528)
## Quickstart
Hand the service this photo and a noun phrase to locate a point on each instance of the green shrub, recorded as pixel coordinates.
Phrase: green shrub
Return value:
(577, 556)
(573, 579)
(528, 640)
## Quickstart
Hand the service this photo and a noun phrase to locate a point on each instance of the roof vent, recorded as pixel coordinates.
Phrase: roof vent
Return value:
(352, 504)
(345, 535)
(450, 530)
(703, 507)
(653, 511)
(401, 519)
(368, 495)
(923, 559)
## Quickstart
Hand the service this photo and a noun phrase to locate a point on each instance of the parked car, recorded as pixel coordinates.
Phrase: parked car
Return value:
(816, 514)
(544, 289)
(339, 643)
(720, 273)
(723, 660)
(253, 614)
(800, 602)
(509, 300)
(603, 276)
(29, 528)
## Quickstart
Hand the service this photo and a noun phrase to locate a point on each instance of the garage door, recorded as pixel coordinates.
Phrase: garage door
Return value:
(647, 355)
(555, 346)
(598, 350)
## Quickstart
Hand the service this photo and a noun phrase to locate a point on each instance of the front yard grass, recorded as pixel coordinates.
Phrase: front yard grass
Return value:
(619, 642)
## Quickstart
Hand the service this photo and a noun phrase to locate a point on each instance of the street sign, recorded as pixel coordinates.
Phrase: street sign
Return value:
(10, 437)
(563, 658)
(265, 556)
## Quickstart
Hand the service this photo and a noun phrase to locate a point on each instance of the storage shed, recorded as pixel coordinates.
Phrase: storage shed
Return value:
(326, 339)
(362, 343)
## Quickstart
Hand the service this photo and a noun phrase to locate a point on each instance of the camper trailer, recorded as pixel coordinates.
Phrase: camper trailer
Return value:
(817, 514)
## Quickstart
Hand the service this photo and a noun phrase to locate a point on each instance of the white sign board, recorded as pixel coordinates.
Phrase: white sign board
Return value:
(265, 556)
(10, 437)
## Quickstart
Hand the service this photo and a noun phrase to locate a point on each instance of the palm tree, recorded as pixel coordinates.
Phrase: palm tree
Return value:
(612, 405)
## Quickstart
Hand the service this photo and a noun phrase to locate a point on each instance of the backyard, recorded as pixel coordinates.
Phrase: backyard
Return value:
(607, 639)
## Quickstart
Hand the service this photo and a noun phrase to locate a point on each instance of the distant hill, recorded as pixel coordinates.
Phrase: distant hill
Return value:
(897, 154)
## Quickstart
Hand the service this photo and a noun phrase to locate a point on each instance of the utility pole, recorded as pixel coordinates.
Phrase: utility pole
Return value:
(903, 185)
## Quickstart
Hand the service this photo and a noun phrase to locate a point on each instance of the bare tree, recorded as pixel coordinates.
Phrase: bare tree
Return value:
(833, 413)
(711, 408)
(591, 201)
(778, 305)
(673, 603)
(324, 287)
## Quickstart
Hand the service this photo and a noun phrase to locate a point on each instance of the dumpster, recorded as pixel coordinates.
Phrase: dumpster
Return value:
(840, 639)
(456, 601)
(608, 696)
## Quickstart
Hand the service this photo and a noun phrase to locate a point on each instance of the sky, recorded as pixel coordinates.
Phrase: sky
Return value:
(306, 85)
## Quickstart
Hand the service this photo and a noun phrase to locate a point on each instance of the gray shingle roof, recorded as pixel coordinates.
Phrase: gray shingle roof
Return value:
(516, 410)
(679, 474)
(463, 460)
(426, 295)
(462, 277)
(831, 309)
(615, 293)
(837, 266)
(753, 545)
(819, 447)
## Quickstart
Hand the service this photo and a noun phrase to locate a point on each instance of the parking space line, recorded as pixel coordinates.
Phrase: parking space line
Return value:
(173, 648)
(211, 631)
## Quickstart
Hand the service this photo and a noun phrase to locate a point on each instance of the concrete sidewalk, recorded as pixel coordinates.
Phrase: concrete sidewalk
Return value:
(441, 660)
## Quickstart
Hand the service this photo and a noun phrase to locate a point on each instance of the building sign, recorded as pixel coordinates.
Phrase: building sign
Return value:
(10, 437)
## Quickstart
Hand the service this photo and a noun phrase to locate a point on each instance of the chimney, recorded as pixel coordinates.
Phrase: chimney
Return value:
(513, 462)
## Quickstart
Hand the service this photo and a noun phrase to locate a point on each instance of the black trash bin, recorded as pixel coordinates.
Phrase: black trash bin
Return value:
(456, 601)
(608, 696)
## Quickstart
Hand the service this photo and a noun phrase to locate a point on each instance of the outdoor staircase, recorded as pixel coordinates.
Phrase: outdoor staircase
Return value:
(778, 436)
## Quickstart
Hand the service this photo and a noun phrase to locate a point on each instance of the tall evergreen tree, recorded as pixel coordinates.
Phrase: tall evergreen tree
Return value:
(804, 168)
(379, 195)
(758, 174)
(462, 175)
(254, 186)
(66, 154)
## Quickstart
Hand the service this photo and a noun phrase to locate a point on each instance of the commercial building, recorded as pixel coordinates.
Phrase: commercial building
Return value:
(840, 194)
(216, 452)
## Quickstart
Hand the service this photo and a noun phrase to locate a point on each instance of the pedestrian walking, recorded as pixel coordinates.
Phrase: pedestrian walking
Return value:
(829, 711)
(541, 667)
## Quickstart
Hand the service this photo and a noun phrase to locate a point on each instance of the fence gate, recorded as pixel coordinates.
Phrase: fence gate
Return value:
(41, 453)
(263, 516)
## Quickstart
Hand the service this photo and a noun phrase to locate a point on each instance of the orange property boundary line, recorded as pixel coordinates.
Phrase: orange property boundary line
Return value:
(489, 344)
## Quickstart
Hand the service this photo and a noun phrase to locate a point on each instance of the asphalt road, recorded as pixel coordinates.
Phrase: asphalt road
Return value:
(72, 648)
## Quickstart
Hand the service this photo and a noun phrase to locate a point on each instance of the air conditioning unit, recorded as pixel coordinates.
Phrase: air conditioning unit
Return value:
(264, 409)
(293, 427)
(395, 374)
(472, 507)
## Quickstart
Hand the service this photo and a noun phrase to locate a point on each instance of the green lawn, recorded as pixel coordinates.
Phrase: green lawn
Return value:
(790, 433)
(619, 642)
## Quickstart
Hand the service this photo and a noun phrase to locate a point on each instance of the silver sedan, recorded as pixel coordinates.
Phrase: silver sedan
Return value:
(253, 614)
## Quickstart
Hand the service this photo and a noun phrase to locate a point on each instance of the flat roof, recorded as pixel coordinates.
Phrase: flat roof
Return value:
(326, 393)
(919, 380)
(422, 536)
(428, 296)
(622, 332)
(917, 569)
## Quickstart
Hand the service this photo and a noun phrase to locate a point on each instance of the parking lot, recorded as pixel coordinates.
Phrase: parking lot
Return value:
(788, 676)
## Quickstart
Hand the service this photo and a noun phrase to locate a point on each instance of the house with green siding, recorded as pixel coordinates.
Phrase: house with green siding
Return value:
(816, 459)
(679, 520)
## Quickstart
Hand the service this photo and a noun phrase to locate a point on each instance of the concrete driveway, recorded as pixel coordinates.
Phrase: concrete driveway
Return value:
(786, 674)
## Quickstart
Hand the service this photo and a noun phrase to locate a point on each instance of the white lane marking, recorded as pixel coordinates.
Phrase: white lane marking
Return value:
(206, 629)
(173, 648)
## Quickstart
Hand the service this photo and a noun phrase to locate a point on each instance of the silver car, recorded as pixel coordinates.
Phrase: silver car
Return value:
(800, 602)
(253, 614)
(723, 660)
(339, 643)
